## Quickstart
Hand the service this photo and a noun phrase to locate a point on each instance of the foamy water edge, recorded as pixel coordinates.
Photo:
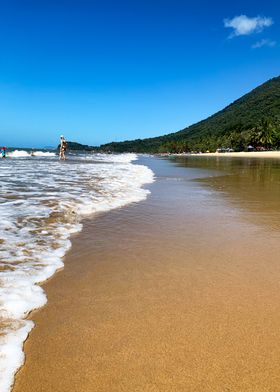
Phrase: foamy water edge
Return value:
(16, 306)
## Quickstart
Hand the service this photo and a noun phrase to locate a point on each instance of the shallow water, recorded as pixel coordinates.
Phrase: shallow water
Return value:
(43, 202)
(179, 292)
(194, 267)
(250, 185)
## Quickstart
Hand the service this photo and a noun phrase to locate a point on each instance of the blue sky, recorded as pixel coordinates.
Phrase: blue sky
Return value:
(99, 71)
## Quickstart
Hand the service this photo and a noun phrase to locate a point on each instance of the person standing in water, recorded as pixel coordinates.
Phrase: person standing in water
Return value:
(63, 147)
(3, 152)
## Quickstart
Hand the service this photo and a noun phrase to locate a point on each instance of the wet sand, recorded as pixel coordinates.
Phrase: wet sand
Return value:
(177, 293)
(242, 154)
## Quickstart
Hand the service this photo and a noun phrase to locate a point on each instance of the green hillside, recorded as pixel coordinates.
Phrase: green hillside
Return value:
(250, 120)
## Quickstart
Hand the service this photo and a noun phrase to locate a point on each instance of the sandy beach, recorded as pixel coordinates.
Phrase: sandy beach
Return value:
(242, 154)
(179, 292)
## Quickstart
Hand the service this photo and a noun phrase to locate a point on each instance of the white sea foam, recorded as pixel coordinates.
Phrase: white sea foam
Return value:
(25, 154)
(41, 204)
(18, 154)
(12, 356)
(43, 154)
(121, 158)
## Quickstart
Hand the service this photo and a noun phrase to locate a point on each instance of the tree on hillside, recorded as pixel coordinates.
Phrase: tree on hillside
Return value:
(264, 133)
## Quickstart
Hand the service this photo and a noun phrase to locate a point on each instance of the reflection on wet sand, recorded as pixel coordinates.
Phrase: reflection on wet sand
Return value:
(251, 185)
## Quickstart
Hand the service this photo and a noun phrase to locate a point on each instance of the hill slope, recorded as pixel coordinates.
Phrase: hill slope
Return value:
(241, 115)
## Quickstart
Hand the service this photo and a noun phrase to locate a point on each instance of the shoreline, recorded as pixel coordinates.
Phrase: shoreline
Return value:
(242, 154)
(23, 286)
(144, 304)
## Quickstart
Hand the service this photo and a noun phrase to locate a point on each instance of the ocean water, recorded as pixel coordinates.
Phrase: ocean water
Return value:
(42, 202)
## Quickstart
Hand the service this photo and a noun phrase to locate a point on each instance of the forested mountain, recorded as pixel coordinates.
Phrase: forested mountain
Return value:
(252, 119)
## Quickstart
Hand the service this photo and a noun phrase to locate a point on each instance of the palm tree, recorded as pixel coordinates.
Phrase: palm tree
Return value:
(263, 133)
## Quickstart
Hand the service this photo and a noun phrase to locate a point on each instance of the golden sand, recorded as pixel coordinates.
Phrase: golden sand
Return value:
(242, 154)
(161, 296)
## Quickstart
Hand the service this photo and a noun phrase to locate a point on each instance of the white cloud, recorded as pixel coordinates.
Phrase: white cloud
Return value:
(264, 42)
(243, 25)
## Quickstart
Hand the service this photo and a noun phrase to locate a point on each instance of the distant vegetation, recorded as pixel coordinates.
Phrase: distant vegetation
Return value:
(252, 120)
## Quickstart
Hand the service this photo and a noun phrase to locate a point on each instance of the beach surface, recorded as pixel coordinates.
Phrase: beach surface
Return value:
(179, 292)
(242, 154)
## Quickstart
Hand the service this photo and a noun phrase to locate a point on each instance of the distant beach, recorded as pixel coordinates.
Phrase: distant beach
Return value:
(242, 154)
(179, 292)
